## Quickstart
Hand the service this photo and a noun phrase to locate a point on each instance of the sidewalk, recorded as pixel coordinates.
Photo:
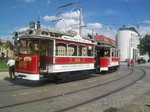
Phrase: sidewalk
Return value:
(3, 75)
(141, 104)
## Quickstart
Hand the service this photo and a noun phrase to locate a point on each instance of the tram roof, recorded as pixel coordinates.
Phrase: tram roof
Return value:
(51, 34)
(105, 44)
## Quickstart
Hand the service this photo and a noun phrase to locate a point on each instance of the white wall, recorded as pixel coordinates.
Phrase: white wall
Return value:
(127, 40)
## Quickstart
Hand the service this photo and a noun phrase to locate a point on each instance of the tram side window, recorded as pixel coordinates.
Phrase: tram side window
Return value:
(43, 49)
(33, 47)
(82, 51)
(107, 53)
(36, 47)
(115, 53)
(112, 53)
(90, 51)
(61, 49)
(101, 52)
(22, 47)
(50, 48)
(28, 46)
(72, 50)
(52, 34)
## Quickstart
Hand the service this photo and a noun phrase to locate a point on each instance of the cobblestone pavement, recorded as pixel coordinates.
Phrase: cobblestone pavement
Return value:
(123, 100)
(135, 98)
(141, 103)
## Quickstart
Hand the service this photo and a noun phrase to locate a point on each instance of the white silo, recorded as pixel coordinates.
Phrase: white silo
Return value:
(127, 42)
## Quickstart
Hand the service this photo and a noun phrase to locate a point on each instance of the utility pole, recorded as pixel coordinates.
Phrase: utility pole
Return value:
(80, 21)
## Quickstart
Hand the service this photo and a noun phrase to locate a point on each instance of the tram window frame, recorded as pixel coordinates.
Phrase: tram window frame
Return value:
(72, 50)
(107, 52)
(60, 51)
(84, 51)
(27, 46)
(44, 33)
(90, 51)
(50, 48)
(32, 46)
(81, 51)
(52, 34)
(43, 48)
(112, 52)
(115, 53)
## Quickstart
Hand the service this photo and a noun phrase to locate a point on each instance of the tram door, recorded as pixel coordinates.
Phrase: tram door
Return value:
(43, 54)
(97, 58)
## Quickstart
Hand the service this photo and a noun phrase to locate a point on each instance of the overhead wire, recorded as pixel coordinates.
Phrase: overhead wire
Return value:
(132, 15)
(78, 2)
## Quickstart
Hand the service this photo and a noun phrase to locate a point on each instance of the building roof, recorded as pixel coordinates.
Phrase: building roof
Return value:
(104, 39)
(130, 29)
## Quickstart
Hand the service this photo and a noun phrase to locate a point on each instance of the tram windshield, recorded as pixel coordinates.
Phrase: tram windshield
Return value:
(28, 46)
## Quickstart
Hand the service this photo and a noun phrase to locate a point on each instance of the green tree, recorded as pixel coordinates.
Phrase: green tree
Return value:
(145, 45)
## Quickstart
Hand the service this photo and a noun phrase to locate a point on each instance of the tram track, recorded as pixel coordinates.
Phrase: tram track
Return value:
(69, 93)
(25, 87)
(17, 87)
(102, 96)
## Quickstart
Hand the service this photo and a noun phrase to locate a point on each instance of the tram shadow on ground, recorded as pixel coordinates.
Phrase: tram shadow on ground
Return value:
(30, 83)
(106, 72)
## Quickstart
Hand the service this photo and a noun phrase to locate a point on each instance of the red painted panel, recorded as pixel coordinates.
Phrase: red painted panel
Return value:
(49, 60)
(115, 59)
(104, 61)
(73, 60)
(27, 64)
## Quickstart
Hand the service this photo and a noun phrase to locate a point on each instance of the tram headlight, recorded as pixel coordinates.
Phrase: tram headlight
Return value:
(89, 47)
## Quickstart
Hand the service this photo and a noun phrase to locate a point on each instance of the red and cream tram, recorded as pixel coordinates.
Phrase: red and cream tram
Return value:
(45, 53)
(107, 55)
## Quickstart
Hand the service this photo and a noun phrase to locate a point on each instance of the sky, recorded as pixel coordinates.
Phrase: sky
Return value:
(98, 16)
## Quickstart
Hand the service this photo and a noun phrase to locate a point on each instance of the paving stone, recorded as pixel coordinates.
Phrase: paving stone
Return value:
(131, 99)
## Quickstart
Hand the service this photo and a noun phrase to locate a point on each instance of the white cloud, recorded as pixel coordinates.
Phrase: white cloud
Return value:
(5, 37)
(146, 21)
(19, 29)
(70, 21)
(109, 32)
(66, 24)
(71, 15)
(143, 30)
(50, 18)
(22, 29)
(94, 25)
(67, 21)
